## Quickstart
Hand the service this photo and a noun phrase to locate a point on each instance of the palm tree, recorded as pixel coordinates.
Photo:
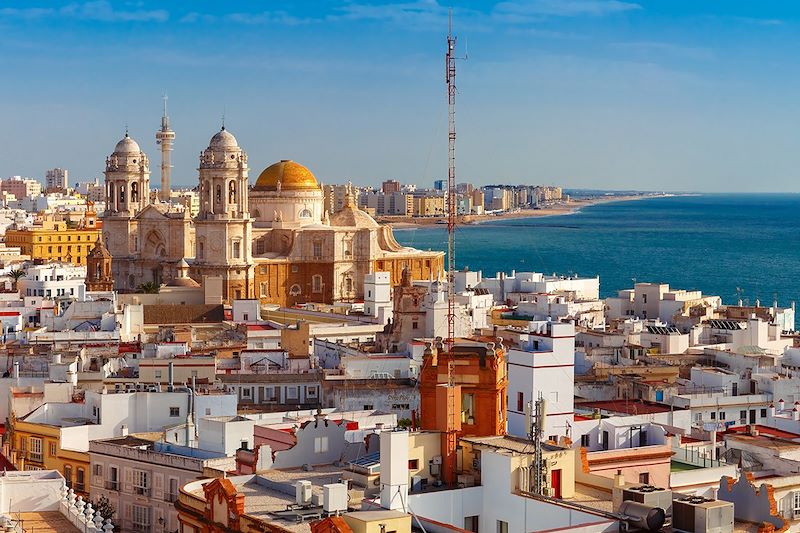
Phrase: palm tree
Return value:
(15, 275)
(150, 287)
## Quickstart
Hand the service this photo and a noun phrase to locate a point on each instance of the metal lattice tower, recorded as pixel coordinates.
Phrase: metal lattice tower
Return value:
(450, 78)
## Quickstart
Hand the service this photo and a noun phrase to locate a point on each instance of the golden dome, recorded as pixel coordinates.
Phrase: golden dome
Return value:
(292, 176)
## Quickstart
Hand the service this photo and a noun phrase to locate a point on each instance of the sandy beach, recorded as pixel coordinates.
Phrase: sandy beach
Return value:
(560, 209)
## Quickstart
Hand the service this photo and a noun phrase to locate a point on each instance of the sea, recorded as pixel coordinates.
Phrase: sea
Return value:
(731, 245)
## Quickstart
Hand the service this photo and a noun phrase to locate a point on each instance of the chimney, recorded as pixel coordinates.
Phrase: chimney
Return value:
(170, 375)
(771, 410)
(124, 430)
(619, 479)
(781, 405)
(16, 370)
(796, 413)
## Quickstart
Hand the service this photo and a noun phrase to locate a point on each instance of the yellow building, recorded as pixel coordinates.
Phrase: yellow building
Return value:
(37, 447)
(426, 206)
(54, 240)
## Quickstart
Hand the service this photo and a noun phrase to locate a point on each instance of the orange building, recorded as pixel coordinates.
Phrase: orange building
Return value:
(463, 394)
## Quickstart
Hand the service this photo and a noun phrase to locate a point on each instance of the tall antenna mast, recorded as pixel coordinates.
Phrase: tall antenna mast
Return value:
(164, 137)
(450, 78)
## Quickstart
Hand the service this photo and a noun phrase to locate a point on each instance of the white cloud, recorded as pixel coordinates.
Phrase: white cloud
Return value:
(521, 11)
(98, 10)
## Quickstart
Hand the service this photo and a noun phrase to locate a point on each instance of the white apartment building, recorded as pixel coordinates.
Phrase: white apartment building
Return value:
(105, 415)
(542, 365)
(142, 479)
(56, 179)
(505, 287)
(378, 296)
(562, 305)
(657, 300)
(54, 280)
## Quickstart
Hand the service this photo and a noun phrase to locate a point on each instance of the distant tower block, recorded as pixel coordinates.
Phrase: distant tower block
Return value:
(165, 136)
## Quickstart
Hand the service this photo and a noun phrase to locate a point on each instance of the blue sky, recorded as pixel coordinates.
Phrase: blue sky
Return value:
(662, 95)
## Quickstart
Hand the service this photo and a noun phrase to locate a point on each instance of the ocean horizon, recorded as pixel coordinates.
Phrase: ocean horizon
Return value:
(731, 245)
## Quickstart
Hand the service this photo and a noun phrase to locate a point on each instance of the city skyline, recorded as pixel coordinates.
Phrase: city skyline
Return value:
(580, 93)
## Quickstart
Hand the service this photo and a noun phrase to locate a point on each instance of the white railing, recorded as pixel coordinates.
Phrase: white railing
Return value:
(81, 514)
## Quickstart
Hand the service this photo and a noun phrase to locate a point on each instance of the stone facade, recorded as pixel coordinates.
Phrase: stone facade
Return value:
(273, 241)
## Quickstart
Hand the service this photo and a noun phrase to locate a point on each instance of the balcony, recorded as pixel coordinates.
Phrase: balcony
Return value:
(170, 498)
(36, 457)
(112, 485)
(141, 491)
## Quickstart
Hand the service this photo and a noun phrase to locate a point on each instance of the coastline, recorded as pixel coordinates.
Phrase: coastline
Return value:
(562, 209)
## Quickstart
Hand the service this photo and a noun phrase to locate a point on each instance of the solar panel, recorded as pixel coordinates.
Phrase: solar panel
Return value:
(371, 459)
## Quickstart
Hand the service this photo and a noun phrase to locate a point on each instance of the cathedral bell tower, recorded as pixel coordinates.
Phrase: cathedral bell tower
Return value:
(223, 226)
(98, 269)
(127, 179)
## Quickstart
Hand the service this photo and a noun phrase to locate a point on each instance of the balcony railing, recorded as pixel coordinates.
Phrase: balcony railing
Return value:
(141, 491)
(112, 485)
(35, 457)
(171, 498)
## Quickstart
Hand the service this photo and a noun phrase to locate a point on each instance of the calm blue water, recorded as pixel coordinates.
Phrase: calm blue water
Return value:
(715, 243)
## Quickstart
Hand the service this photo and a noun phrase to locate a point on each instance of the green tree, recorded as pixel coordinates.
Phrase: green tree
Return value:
(104, 508)
(15, 275)
(149, 287)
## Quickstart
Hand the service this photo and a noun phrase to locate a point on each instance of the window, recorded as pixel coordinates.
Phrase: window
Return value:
(68, 475)
(415, 325)
(208, 411)
(348, 284)
(236, 249)
(521, 402)
(316, 283)
(644, 478)
(291, 393)
(400, 406)
(320, 444)
(317, 249)
(722, 415)
(141, 482)
(141, 518)
(467, 408)
(311, 392)
(52, 449)
(502, 526)
(113, 480)
(174, 411)
(368, 407)
(36, 449)
(585, 441)
(743, 416)
(80, 481)
(763, 413)
(713, 415)
(796, 502)
(246, 393)
(97, 470)
(413, 464)
(158, 374)
(264, 290)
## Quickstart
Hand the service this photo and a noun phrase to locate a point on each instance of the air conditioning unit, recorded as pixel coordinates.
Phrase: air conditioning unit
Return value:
(695, 514)
(334, 498)
(302, 492)
(650, 496)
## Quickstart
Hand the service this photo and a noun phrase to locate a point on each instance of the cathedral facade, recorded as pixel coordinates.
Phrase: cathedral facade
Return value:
(271, 241)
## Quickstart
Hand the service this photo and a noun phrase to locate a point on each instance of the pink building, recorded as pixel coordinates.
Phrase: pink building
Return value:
(21, 187)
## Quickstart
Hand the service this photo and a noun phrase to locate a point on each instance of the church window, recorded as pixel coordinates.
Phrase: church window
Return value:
(264, 289)
(295, 290)
(122, 193)
(305, 213)
(348, 284)
(317, 249)
(316, 283)
(236, 249)
(134, 192)
(200, 251)
(231, 192)
(219, 193)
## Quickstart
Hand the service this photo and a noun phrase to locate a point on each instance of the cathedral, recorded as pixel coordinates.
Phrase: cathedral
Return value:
(271, 240)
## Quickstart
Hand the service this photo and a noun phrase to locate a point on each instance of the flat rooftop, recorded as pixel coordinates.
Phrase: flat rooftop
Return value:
(507, 442)
(46, 521)
(628, 407)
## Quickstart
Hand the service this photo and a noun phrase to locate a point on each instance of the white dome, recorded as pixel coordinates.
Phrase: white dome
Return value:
(223, 139)
(127, 146)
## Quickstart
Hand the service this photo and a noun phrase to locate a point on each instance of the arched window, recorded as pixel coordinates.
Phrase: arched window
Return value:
(122, 194)
(264, 289)
(232, 192)
(219, 193)
(305, 213)
(110, 192)
(348, 284)
(256, 214)
(236, 250)
(134, 192)
(316, 283)
(295, 290)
